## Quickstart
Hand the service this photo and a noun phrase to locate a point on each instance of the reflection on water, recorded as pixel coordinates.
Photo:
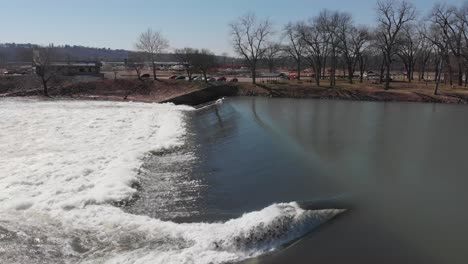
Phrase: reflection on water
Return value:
(401, 165)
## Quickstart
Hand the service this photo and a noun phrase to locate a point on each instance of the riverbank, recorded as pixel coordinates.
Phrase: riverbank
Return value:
(400, 92)
(198, 93)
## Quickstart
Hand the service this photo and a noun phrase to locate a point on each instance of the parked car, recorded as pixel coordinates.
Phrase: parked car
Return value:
(173, 77)
(211, 79)
(194, 78)
(221, 79)
(292, 76)
(180, 78)
(200, 78)
(283, 75)
(234, 80)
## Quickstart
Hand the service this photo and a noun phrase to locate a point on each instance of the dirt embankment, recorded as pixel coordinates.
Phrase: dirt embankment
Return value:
(195, 93)
(118, 90)
(415, 92)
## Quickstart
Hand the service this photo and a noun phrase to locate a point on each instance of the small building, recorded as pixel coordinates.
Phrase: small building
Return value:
(76, 68)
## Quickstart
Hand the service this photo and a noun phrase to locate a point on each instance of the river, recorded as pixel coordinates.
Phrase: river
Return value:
(400, 168)
(248, 179)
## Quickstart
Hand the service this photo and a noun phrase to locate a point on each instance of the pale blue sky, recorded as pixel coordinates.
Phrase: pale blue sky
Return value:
(194, 23)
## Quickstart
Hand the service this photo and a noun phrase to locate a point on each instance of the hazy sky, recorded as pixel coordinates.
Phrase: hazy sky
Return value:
(194, 23)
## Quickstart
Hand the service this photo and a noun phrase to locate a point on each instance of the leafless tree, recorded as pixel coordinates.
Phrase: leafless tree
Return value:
(347, 34)
(295, 46)
(187, 56)
(426, 52)
(360, 39)
(152, 43)
(462, 16)
(204, 60)
(316, 46)
(408, 46)
(328, 22)
(43, 64)
(272, 53)
(136, 62)
(446, 18)
(249, 37)
(433, 34)
(392, 16)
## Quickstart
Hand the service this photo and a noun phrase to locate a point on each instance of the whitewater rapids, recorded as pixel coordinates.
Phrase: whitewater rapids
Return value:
(63, 164)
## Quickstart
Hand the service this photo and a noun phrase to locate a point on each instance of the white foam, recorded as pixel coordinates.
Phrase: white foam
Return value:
(63, 161)
(70, 153)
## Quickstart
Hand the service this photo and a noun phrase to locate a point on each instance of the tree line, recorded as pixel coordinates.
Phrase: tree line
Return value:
(435, 41)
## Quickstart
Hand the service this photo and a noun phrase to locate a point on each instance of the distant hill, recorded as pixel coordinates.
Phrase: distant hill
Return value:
(13, 52)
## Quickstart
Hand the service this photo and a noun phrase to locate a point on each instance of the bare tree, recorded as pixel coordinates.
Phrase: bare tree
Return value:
(327, 22)
(435, 36)
(152, 43)
(408, 46)
(359, 44)
(316, 45)
(136, 62)
(272, 52)
(204, 60)
(447, 19)
(346, 34)
(462, 15)
(295, 46)
(249, 37)
(426, 52)
(187, 56)
(43, 64)
(392, 16)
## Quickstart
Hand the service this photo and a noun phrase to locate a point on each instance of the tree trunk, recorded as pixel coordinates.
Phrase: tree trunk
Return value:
(317, 71)
(254, 75)
(466, 76)
(350, 74)
(154, 71)
(408, 73)
(439, 70)
(387, 75)
(322, 75)
(46, 89)
(298, 69)
(361, 69)
(382, 70)
(460, 73)
(154, 66)
(450, 73)
(423, 70)
(333, 69)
